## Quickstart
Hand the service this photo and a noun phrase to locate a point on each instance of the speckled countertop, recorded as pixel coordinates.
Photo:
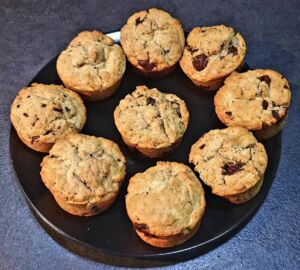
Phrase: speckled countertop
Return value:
(33, 32)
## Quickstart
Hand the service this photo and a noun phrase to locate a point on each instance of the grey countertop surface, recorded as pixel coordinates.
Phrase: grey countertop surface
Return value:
(33, 32)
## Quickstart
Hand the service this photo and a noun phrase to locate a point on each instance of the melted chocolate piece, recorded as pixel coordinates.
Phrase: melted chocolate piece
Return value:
(191, 49)
(231, 168)
(43, 105)
(95, 209)
(34, 138)
(265, 79)
(25, 114)
(151, 101)
(229, 113)
(166, 51)
(146, 65)
(265, 104)
(200, 62)
(18, 106)
(142, 227)
(58, 110)
(276, 114)
(139, 21)
(202, 146)
(232, 50)
(250, 145)
(48, 132)
(265, 125)
(177, 108)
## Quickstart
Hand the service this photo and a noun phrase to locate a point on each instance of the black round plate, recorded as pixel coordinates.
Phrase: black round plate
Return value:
(111, 232)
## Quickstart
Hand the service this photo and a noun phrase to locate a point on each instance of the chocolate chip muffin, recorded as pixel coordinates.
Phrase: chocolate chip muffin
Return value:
(257, 100)
(84, 173)
(41, 114)
(151, 121)
(231, 162)
(165, 204)
(92, 65)
(153, 41)
(211, 54)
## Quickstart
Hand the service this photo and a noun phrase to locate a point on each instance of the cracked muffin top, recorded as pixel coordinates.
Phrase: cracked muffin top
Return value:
(150, 118)
(83, 169)
(254, 99)
(91, 62)
(165, 200)
(212, 52)
(43, 113)
(229, 160)
(152, 40)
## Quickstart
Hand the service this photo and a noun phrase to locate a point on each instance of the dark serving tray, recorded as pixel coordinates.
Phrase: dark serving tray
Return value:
(111, 232)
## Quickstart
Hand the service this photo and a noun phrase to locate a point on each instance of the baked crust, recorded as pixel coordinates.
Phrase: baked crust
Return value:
(84, 173)
(211, 54)
(231, 162)
(92, 65)
(153, 41)
(257, 100)
(41, 114)
(151, 121)
(165, 204)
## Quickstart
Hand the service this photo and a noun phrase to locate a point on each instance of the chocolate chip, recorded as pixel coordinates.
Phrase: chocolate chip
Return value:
(48, 132)
(202, 146)
(65, 96)
(34, 138)
(175, 105)
(43, 105)
(286, 86)
(266, 79)
(276, 114)
(18, 106)
(53, 156)
(191, 49)
(200, 62)
(138, 21)
(25, 114)
(119, 160)
(265, 104)
(67, 109)
(265, 125)
(28, 96)
(250, 145)
(232, 50)
(142, 227)
(150, 101)
(166, 51)
(58, 110)
(229, 113)
(95, 209)
(145, 64)
(231, 168)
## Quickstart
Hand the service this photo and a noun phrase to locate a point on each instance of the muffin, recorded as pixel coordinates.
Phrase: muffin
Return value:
(165, 204)
(41, 114)
(153, 41)
(151, 122)
(211, 54)
(84, 173)
(92, 65)
(231, 162)
(257, 100)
